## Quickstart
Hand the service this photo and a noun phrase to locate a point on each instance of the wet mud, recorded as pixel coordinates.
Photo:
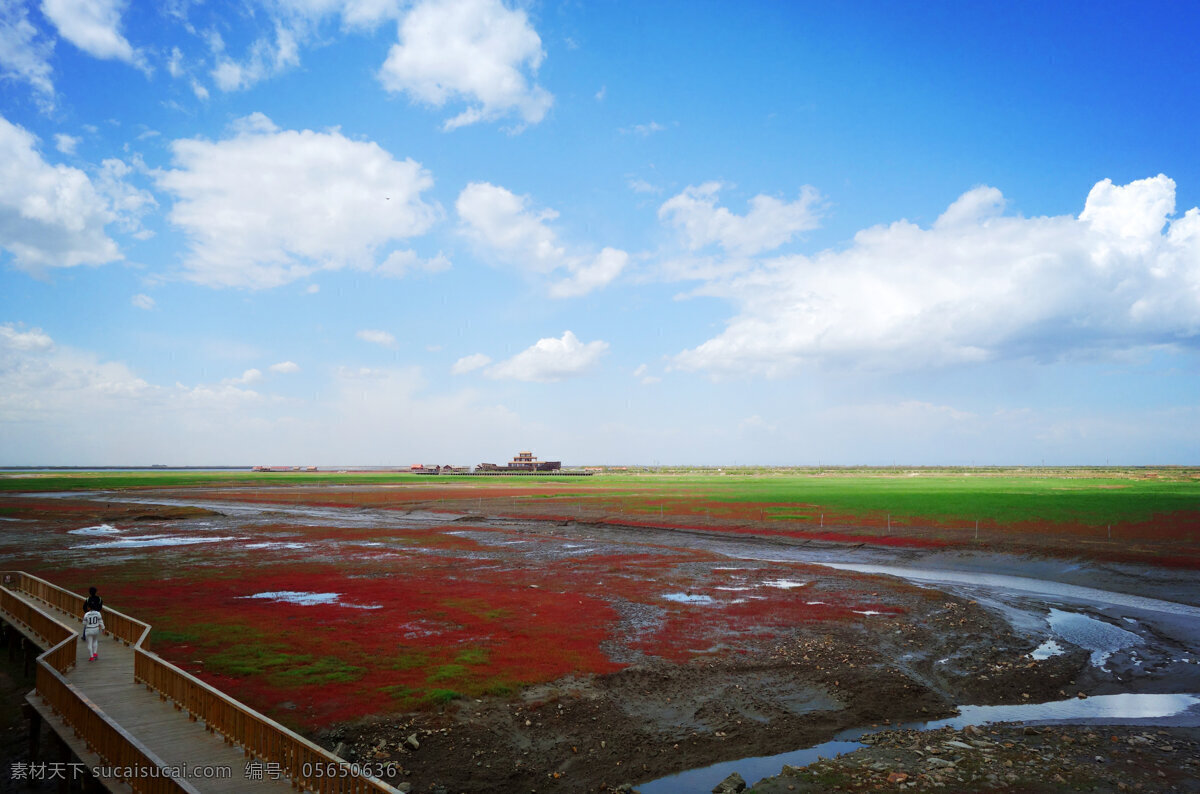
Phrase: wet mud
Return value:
(921, 648)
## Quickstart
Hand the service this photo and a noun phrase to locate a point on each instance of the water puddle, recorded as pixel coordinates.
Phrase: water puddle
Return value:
(1102, 708)
(1102, 639)
(1046, 650)
(298, 597)
(309, 599)
(141, 541)
(1022, 584)
(280, 545)
(783, 584)
(687, 598)
(102, 529)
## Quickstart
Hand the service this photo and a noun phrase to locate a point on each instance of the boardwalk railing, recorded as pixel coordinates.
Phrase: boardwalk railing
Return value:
(309, 766)
(117, 748)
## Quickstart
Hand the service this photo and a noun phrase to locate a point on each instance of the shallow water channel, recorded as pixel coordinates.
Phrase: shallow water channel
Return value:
(1181, 709)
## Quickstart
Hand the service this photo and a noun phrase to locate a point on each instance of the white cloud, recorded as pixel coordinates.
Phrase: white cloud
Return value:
(400, 263)
(66, 406)
(550, 360)
(590, 274)
(66, 143)
(377, 337)
(364, 14)
(642, 186)
(977, 286)
(769, 224)
(128, 202)
(313, 289)
(470, 363)
(267, 58)
(175, 62)
(45, 384)
(200, 91)
(642, 374)
(94, 27)
(24, 56)
(249, 376)
(284, 368)
(50, 216)
(142, 301)
(505, 225)
(601, 93)
(269, 206)
(643, 129)
(12, 338)
(478, 51)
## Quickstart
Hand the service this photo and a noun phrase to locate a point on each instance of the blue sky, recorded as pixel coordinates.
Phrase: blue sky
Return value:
(345, 232)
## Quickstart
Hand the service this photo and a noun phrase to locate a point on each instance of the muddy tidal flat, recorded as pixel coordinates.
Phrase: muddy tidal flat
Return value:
(483, 647)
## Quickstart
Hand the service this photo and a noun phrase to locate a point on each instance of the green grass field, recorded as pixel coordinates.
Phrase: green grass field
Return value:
(1002, 496)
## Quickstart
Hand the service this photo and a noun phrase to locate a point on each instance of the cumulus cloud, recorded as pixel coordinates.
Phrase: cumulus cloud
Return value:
(268, 206)
(642, 374)
(642, 186)
(175, 62)
(643, 130)
(284, 368)
(505, 225)
(399, 264)
(64, 405)
(50, 216)
(976, 286)
(65, 143)
(470, 363)
(142, 301)
(41, 381)
(249, 376)
(376, 337)
(93, 26)
(24, 54)
(268, 56)
(128, 203)
(60, 405)
(550, 360)
(769, 223)
(476, 51)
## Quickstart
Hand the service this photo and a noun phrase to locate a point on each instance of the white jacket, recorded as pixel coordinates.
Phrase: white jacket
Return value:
(93, 620)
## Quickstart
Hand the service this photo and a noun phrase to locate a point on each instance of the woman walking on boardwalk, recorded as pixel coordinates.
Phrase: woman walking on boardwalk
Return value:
(93, 624)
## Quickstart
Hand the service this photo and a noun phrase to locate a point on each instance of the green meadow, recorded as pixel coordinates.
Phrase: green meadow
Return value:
(1094, 496)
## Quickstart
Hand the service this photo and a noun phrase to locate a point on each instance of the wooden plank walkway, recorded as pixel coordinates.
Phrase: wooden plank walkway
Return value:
(168, 732)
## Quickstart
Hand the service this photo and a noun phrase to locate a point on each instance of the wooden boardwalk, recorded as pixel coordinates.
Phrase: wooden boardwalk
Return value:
(167, 731)
(130, 708)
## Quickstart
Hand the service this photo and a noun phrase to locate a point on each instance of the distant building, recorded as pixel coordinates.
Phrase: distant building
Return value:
(525, 461)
